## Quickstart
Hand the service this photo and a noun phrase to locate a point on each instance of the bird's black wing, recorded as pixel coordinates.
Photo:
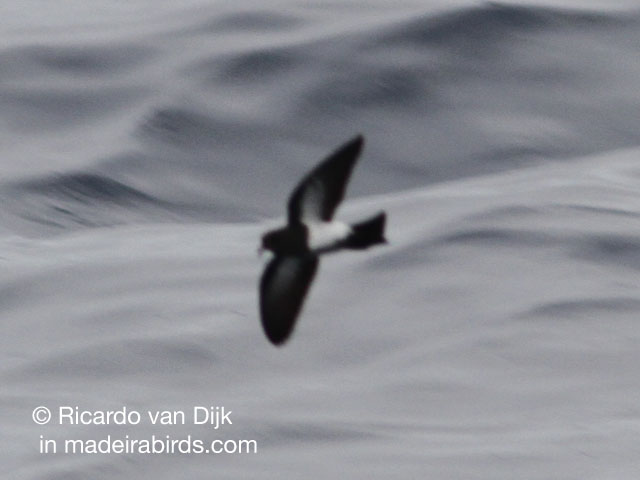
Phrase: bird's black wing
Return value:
(320, 192)
(283, 286)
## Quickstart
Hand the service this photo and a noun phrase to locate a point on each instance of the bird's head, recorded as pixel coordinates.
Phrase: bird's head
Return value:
(271, 241)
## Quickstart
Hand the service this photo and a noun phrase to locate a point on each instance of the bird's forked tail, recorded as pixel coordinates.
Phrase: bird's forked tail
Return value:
(367, 233)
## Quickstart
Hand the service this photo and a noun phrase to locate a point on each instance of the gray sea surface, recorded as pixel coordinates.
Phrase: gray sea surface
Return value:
(145, 147)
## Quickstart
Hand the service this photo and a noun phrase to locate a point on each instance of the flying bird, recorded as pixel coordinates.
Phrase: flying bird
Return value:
(310, 232)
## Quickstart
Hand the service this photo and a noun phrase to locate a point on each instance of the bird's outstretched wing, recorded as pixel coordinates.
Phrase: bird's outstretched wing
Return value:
(320, 192)
(283, 286)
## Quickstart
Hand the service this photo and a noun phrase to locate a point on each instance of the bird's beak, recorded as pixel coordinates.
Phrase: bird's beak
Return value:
(260, 251)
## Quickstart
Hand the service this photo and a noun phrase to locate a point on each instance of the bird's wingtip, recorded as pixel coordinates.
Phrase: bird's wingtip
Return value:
(277, 341)
(352, 148)
(276, 336)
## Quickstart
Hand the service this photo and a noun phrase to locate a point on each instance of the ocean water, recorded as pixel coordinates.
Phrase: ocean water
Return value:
(144, 148)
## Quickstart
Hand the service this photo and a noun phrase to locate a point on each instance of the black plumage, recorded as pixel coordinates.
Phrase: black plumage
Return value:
(312, 204)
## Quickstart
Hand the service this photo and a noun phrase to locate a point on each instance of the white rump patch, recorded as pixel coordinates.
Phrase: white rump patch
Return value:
(324, 235)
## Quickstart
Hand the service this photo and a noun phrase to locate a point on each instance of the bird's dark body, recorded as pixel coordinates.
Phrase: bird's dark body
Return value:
(288, 276)
(289, 240)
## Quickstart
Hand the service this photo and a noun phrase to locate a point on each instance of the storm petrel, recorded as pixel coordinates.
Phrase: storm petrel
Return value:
(310, 231)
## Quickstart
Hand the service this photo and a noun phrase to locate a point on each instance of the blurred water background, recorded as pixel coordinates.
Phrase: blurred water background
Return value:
(144, 147)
